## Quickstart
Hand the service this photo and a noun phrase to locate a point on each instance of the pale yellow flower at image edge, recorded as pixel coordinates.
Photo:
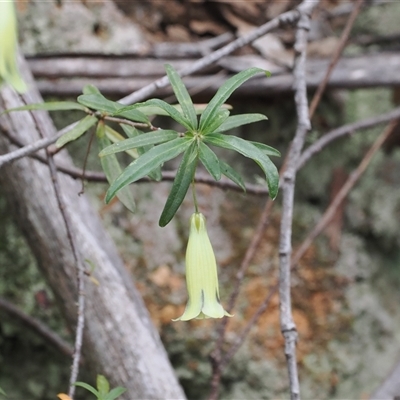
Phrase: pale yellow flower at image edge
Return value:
(8, 47)
(201, 274)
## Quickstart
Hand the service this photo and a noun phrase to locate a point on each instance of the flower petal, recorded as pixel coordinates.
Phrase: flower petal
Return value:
(201, 274)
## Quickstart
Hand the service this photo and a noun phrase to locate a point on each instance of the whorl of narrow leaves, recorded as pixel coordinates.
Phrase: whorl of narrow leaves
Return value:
(150, 150)
(194, 142)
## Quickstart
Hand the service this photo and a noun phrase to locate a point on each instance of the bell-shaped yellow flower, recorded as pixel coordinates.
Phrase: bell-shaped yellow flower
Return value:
(201, 274)
(8, 47)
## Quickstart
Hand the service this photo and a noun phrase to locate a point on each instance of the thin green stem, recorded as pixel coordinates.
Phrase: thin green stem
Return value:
(196, 206)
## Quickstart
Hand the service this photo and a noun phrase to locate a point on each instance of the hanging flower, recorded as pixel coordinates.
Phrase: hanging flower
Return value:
(201, 274)
(8, 47)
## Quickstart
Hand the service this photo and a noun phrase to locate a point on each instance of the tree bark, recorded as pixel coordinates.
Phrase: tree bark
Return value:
(119, 340)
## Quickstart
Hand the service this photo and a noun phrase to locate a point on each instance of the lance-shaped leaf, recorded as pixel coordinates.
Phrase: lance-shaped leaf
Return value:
(88, 387)
(248, 150)
(268, 150)
(233, 175)
(238, 120)
(210, 161)
(182, 96)
(148, 162)
(146, 139)
(116, 137)
(77, 131)
(153, 110)
(132, 132)
(50, 106)
(223, 93)
(182, 181)
(112, 169)
(216, 122)
(90, 89)
(97, 101)
(115, 393)
(170, 110)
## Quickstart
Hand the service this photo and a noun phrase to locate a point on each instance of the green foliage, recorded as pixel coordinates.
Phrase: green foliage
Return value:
(194, 142)
(2, 392)
(103, 391)
(152, 147)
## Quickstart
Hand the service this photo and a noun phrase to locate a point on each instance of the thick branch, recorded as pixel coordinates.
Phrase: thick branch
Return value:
(119, 339)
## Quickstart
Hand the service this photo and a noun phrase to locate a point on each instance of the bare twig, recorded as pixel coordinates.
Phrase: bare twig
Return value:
(289, 17)
(285, 18)
(37, 326)
(288, 326)
(80, 276)
(342, 43)
(80, 270)
(307, 242)
(218, 360)
(344, 191)
(34, 147)
(128, 122)
(346, 130)
(97, 176)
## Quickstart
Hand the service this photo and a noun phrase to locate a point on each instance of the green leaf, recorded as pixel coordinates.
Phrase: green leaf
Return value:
(112, 169)
(210, 161)
(223, 94)
(132, 132)
(170, 110)
(153, 110)
(268, 150)
(148, 162)
(90, 89)
(182, 96)
(146, 139)
(230, 173)
(77, 131)
(96, 101)
(248, 150)
(102, 385)
(50, 106)
(2, 392)
(183, 178)
(116, 137)
(238, 120)
(116, 392)
(216, 122)
(91, 389)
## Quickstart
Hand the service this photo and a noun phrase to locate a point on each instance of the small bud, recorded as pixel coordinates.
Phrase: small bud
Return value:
(8, 47)
(201, 274)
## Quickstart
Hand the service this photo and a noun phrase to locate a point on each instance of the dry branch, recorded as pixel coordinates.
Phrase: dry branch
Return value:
(288, 326)
(342, 194)
(37, 326)
(117, 76)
